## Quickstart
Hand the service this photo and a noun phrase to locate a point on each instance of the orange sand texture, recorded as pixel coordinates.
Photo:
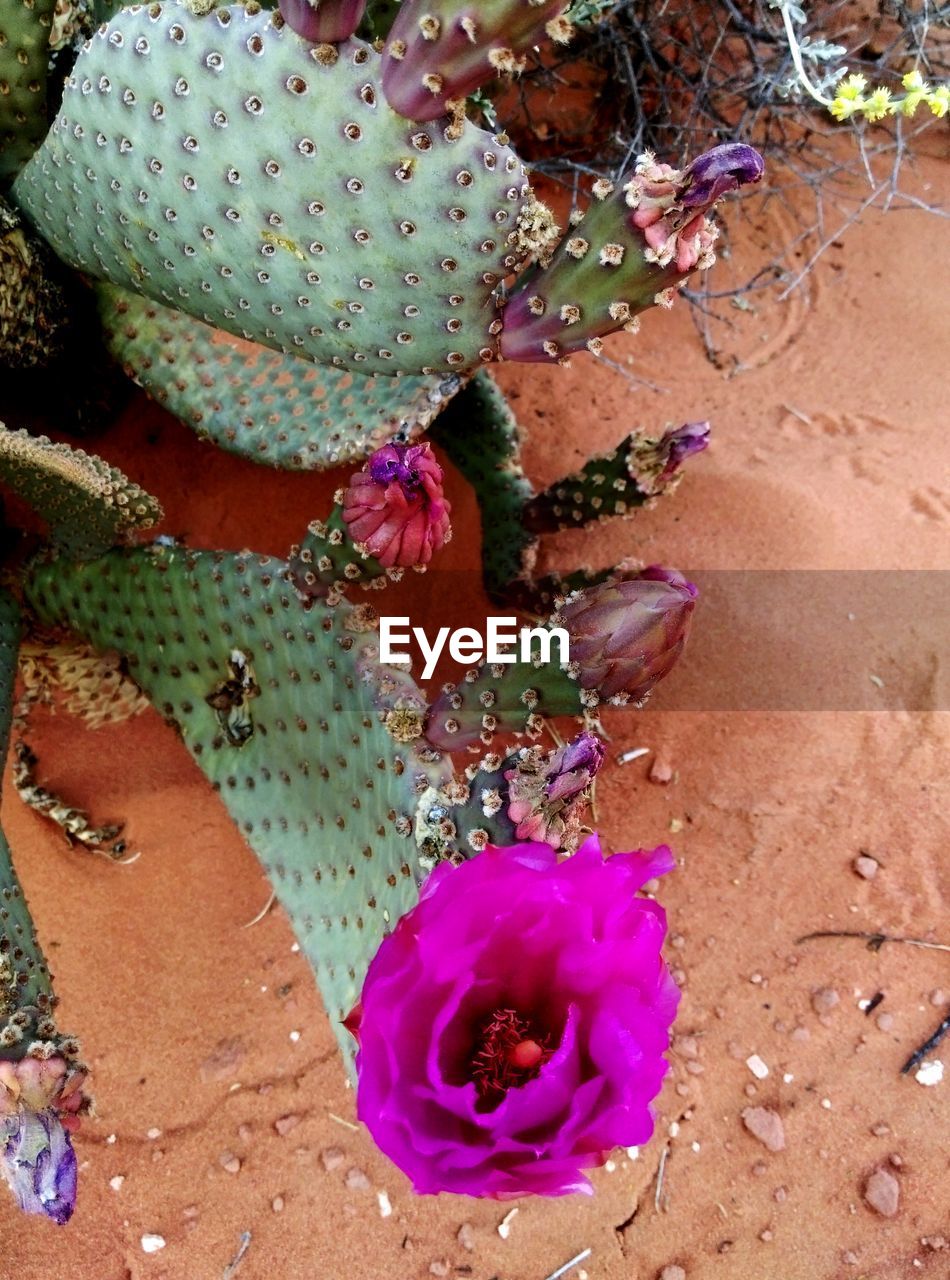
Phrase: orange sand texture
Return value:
(221, 1102)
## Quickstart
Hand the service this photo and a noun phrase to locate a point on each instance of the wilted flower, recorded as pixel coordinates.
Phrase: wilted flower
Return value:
(628, 632)
(547, 790)
(39, 1102)
(512, 1027)
(655, 461)
(394, 508)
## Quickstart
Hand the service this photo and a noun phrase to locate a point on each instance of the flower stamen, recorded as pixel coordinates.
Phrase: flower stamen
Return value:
(509, 1053)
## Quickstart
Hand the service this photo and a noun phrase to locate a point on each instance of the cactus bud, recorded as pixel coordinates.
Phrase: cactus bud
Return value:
(655, 463)
(547, 790)
(323, 21)
(394, 508)
(628, 632)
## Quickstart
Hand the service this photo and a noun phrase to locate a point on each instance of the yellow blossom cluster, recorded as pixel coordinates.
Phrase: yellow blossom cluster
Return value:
(851, 100)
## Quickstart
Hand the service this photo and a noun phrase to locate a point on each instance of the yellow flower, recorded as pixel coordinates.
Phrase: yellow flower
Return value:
(844, 108)
(878, 105)
(851, 88)
(912, 81)
(939, 100)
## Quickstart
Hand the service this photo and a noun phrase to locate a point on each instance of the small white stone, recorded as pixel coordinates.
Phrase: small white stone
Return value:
(153, 1134)
(610, 1166)
(295, 946)
(110, 1139)
(674, 1129)
(788, 1077)
(929, 1073)
(116, 1182)
(294, 1037)
(826, 1103)
(152, 1243)
(385, 1208)
(633, 1153)
(696, 1147)
(757, 1067)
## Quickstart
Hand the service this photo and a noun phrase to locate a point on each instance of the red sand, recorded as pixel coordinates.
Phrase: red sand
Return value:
(219, 1120)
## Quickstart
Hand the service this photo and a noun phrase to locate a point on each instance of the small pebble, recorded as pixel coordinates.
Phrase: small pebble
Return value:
(766, 1236)
(766, 1125)
(116, 1182)
(661, 773)
(152, 1243)
(824, 999)
(865, 866)
(229, 1162)
(285, 1124)
(882, 1193)
(331, 1158)
(466, 1236)
(439, 1268)
(780, 1195)
(153, 1134)
(385, 1204)
(880, 1130)
(850, 1258)
(929, 1073)
(885, 1021)
(357, 1180)
(277, 1204)
(672, 1273)
(938, 997)
(757, 1067)
(801, 1034)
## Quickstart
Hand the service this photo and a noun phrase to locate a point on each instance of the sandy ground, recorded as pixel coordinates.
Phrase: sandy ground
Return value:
(221, 1104)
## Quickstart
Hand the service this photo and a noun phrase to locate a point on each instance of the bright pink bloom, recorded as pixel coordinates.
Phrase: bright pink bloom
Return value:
(394, 508)
(512, 1027)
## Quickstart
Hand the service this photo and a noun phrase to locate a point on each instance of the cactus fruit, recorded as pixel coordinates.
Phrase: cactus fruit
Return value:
(275, 409)
(615, 484)
(439, 51)
(25, 28)
(323, 766)
(41, 1080)
(636, 245)
(625, 634)
(338, 230)
(323, 21)
(88, 505)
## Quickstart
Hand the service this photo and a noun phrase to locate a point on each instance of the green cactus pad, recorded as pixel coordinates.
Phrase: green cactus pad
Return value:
(326, 562)
(605, 486)
(313, 746)
(480, 434)
(503, 698)
(224, 166)
(25, 27)
(88, 505)
(274, 409)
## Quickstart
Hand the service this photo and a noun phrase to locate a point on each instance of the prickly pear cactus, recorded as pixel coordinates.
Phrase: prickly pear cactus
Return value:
(314, 747)
(88, 505)
(223, 165)
(275, 409)
(25, 27)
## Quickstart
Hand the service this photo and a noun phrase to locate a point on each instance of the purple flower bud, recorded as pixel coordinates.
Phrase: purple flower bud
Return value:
(38, 1162)
(655, 461)
(717, 172)
(627, 633)
(323, 21)
(573, 766)
(394, 509)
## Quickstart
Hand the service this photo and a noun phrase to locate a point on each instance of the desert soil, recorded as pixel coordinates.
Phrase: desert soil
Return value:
(222, 1107)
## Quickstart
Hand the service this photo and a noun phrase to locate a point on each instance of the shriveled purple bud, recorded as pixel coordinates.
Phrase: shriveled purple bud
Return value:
(547, 791)
(394, 509)
(38, 1162)
(717, 172)
(323, 21)
(627, 633)
(654, 462)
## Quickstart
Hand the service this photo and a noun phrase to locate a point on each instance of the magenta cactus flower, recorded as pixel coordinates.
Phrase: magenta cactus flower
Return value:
(512, 1028)
(394, 509)
(40, 1099)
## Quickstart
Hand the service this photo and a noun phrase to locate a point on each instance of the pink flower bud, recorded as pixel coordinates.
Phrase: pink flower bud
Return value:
(394, 508)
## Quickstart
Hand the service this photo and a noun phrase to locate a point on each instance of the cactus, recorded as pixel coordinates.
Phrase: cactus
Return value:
(318, 755)
(25, 29)
(88, 505)
(323, 21)
(439, 51)
(275, 409)
(41, 1079)
(625, 635)
(617, 483)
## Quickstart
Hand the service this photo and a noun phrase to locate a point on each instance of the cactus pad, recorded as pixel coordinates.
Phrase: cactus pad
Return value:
(314, 747)
(88, 505)
(25, 27)
(222, 165)
(274, 409)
